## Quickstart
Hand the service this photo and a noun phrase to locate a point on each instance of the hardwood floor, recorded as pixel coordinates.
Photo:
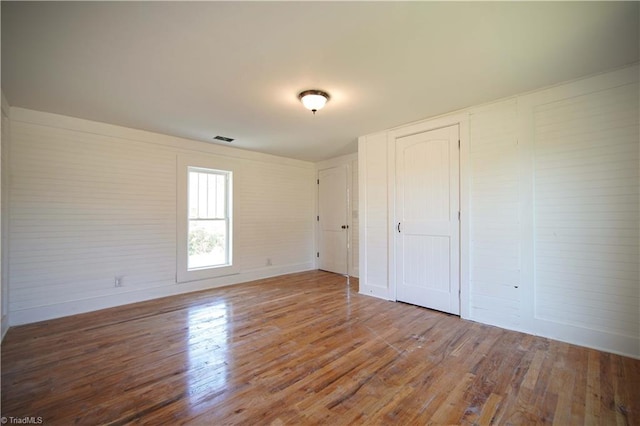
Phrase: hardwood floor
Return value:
(303, 349)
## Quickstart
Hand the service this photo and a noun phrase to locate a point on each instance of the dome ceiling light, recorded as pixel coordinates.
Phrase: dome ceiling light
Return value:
(313, 99)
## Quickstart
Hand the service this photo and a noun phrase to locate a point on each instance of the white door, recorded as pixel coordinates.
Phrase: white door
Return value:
(332, 209)
(427, 222)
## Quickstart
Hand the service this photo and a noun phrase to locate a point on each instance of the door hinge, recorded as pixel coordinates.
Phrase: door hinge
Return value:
(318, 254)
(318, 181)
(458, 143)
(458, 215)
(318, 218)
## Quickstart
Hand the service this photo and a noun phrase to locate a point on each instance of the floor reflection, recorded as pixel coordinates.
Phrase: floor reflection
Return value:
(208, 333)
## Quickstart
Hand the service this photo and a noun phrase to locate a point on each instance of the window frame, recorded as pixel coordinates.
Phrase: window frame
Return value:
(185, 164)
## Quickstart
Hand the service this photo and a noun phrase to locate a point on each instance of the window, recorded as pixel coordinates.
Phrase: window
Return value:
(205, 218)
(208, 233)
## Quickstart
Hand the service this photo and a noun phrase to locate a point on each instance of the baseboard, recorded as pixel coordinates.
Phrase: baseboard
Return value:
(48, 312)
(618, 344)
(379, 292)
(5, 326)
(607, 342)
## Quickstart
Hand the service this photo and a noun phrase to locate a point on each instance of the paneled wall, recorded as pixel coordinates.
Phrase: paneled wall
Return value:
(494, 227)
(89, 202)
(4, 216)
(373, 213)
(354, 243)
(586, 192)
(586, 236)
(552, 183)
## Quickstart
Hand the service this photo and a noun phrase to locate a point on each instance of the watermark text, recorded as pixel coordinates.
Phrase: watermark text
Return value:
(25, 420)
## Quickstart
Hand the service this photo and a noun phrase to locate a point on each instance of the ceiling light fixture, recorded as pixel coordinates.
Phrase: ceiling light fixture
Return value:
(313, 99)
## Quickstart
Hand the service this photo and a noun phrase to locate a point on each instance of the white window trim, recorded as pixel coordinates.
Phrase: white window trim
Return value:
(184, 162)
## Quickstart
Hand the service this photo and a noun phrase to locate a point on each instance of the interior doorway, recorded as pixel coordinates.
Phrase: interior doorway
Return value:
(428, 219)
(332, 220)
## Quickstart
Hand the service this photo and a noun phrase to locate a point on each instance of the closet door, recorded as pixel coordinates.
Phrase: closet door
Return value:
(427, 219)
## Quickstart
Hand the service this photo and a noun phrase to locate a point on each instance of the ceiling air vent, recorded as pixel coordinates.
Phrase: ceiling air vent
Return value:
(223, 138)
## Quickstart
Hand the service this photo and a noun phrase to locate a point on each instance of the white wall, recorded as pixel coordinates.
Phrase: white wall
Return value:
(4, 217)
(581, 145)
(553, 187)
(353, 236)
(354, 227)
(495, 241)
(374, 216)
(89, 201)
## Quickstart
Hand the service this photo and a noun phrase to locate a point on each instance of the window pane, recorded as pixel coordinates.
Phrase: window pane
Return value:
(202, 194)
(207, 195)
(193, 195)
(207, 243)
(221, 209)
(211, 196)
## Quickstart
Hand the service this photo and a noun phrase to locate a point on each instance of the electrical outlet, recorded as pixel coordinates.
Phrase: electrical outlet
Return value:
(269, 263)
(118, 281)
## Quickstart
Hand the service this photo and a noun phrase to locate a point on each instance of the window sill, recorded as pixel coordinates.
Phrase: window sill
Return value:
(205, 274)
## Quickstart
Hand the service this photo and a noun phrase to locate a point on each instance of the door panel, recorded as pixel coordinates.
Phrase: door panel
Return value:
(333, 220)
(426, 257)
(427, 234)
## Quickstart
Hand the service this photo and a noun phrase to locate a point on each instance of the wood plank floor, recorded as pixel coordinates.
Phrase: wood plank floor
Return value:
(303, 349)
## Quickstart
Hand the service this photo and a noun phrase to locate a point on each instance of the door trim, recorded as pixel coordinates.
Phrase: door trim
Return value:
(462, 120)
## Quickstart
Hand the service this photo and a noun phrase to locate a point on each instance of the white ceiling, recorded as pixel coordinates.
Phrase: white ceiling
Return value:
(198, 70)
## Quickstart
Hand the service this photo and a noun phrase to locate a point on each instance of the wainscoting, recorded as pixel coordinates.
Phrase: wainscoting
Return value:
(304, 348)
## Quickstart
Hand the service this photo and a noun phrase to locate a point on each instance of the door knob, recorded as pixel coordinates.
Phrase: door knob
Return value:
(344, 227)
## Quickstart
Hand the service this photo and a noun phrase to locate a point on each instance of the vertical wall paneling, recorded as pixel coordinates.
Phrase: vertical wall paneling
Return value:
(587, 209)
(494, 281)
(550, 226)
(373, 214)
(4, 217)
(354, 249)
(90, 202)
(586, 230)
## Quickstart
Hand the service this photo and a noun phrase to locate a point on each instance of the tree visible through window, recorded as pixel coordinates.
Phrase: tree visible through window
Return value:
(208, 207)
